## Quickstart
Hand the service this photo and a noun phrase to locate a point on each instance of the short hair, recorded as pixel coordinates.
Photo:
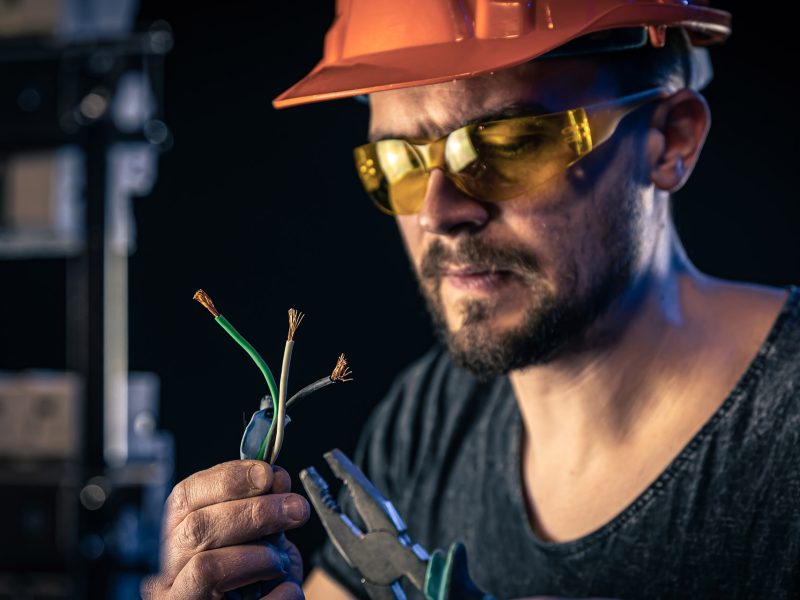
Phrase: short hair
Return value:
(676, 64)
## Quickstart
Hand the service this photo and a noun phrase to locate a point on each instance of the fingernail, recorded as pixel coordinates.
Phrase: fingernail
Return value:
(295, 508)
(257, 474)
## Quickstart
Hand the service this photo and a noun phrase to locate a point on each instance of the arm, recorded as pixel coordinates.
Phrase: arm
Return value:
(321, 586)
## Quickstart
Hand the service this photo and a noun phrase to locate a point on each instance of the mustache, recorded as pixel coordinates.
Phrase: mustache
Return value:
(475, 252)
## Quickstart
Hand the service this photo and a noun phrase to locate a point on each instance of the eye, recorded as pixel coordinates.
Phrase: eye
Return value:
(396, 159)
(512, 146)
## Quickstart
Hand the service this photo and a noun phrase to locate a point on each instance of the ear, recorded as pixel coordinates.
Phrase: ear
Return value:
(678, 130)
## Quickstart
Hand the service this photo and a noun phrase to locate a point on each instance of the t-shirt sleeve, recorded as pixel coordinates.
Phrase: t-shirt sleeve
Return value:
(382, 454)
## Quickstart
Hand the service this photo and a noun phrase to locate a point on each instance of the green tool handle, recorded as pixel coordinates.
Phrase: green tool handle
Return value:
(447, 577)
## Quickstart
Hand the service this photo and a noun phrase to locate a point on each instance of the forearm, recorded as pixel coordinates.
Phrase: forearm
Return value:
(321, 586)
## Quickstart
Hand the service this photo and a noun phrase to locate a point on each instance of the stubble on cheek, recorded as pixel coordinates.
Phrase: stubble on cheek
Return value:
(590, 237)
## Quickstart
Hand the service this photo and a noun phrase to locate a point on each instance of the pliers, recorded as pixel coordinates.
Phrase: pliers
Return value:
(385, 552)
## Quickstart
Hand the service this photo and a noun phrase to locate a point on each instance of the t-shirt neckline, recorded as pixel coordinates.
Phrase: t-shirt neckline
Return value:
(514, 472)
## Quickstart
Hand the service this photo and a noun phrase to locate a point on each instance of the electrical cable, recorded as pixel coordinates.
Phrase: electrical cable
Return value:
(341, 372)
(206, 301)
(294, 322)
(273, 440)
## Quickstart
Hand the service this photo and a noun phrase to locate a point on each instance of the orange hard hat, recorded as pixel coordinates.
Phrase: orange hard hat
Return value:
(376, 45)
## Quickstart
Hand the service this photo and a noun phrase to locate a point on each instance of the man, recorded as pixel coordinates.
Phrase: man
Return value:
(602, 418)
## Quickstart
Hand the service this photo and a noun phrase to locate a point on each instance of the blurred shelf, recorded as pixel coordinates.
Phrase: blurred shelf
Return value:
(21, 245)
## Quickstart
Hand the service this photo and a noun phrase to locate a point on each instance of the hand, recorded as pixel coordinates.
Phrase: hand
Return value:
(213, 522)
(560, 598)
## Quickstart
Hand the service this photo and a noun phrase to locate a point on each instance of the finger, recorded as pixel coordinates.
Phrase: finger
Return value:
(282, 542)
(227, 481)
(153, 587)
(288, 590)
(212, 573)
(278, 539)
(281, 483)
(231, 523)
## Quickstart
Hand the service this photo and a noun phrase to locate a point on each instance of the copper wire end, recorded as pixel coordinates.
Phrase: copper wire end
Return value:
(341, 372)
(203, 299)
(295, 316)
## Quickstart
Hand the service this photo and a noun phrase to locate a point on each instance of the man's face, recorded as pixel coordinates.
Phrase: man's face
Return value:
(522, 281)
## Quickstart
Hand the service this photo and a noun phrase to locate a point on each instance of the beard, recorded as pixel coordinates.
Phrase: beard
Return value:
(554, 323)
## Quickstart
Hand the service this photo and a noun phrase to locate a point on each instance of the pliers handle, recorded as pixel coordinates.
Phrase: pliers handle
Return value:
(385, 552)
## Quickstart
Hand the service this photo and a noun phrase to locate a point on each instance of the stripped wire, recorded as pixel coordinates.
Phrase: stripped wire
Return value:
(272, 443)
(206, 301)
(341, 372)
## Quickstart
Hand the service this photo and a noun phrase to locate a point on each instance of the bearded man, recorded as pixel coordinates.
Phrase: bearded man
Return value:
(600, 417)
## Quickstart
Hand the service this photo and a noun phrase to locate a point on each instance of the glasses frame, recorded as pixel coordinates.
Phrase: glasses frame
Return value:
(585, 129)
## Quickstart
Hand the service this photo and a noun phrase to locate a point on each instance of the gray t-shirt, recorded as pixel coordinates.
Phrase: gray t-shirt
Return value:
(721, 521)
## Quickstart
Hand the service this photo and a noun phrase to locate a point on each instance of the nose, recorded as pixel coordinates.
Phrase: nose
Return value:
(446, 209)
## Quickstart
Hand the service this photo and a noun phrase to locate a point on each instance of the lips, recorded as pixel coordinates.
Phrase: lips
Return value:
(475, 279)
(464, 271)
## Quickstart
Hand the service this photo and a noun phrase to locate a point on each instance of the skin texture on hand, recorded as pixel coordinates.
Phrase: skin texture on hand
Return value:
(215, 524)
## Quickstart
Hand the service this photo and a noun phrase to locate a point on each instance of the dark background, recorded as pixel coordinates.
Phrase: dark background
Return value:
(263, 210)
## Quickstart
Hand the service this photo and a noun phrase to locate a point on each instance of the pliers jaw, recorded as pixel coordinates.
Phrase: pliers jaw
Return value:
(344, 534)
(384, 552)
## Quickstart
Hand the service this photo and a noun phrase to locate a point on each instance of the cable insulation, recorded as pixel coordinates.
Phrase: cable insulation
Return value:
(281, 414)
(239, 338)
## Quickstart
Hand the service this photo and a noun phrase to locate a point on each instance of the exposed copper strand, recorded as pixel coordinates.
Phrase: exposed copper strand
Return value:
(341, 372)
(204, 299)
(295, 316)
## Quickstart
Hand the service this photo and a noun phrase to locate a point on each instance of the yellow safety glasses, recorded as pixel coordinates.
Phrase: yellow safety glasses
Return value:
(494, 160)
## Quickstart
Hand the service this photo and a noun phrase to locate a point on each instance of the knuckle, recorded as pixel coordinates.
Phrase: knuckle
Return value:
(263, 515)
(205, 571)
(194, 532)
(267, 514)
(178, 500)
(149, 587)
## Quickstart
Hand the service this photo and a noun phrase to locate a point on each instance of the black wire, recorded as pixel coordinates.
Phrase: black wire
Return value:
(309, 389)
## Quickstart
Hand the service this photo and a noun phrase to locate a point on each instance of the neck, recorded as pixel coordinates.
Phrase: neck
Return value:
(593, 400)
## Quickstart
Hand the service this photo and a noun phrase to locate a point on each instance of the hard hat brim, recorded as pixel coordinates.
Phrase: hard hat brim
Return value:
(437, 63)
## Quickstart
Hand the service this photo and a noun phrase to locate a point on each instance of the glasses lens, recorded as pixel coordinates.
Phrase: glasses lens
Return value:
(493, 161)
(393, 175)
(516, 155)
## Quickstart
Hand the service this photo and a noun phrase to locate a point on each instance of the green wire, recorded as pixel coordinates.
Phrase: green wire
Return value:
(252, 352)
(239, 339)
(262, 451)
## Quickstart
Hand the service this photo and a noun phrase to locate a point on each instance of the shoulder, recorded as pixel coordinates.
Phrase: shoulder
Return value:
(421, 385)
(780, 360)
(763, 324)
(425, 398)
(429, 392)
(413, 397)
(778, 310)
(744, 321)
(772, 381)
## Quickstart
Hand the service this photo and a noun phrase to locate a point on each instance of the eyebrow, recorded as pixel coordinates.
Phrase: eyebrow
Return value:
(431, 132)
